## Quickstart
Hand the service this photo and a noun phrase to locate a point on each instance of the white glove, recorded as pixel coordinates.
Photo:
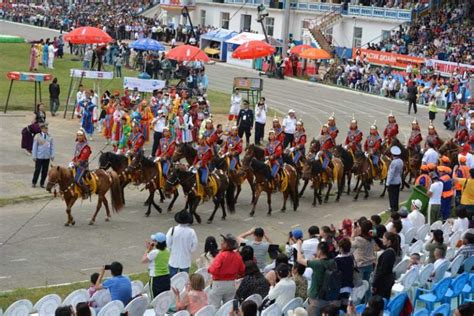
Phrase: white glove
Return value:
(156, 159)
(346, 147)
(128, 153)
(292, 149)
(366, 154)
(71, 165)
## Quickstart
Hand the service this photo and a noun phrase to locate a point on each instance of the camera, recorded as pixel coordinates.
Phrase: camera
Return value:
(107, 267)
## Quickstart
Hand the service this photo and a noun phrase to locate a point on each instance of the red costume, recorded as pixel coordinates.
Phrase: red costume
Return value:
(166, 148)
(136, 141)
(204, 155)
(354, 139)
(373, 143)
(462, 134)
(81, 154)
(233, 143)
(415, 139)
(391, 131)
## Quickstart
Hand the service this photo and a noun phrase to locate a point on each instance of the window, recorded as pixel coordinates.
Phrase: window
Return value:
(225, 17)
(270, 26)
(203, 18)
(385, 34)
(357, 41)
(245, 22)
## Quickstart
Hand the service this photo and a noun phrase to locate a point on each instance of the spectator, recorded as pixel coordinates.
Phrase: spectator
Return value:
(157, 260)
(54, 92)
(225, 269)
(397, 228)
(394, 178)
(406, 223)
(260, 247)
(377, 225)
(330, 310)
(439, 254)
(434, 204)
(83, 309)
(384, 277)
(86, 62)
(437, 241)
(289, 128)
(235, 104)
(411, 96)
(210, 252)
(42, 153)
(247, 308)
(260, 120)
(64, 311)
(269, 270)
(415, 261)
(182, 242)
(92, 289)
(345, 264)
(466, 309)
(416, 218)
(253, 283)
(363, 246)
(327, 235)
(461, 223)
(245, 122)
(291, 247)
(319, 265)
(159, 124)
(467, 197)
(310, 245)
(119, 286)
(299, 311)
(301, 283)
(283, 291)
(467, 248)
(246, 252)
(194, 297)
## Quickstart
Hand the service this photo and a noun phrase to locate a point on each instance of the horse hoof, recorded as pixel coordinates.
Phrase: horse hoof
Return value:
(223, 218)
(269, 214)
(66, 224)
(209, 221)
(252, 214)
(365, 197)
(354, 199)
(337, 200)
(313, 204)
(91, 222)
(300, 195)
(198, 220)
(169, 209)
(283, 210)
(107, 219)
(147, 214)
(73, 223)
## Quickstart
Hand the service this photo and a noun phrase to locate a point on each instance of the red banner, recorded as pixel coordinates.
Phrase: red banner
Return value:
(447, 68)
(387, 59)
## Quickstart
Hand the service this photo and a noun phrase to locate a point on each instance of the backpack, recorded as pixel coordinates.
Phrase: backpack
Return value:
(332, 281)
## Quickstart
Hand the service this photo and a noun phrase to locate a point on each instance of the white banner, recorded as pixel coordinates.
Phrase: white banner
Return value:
(143, 85)
(91, 74)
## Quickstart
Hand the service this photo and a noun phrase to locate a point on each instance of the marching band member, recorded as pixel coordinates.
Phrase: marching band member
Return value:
(80, 161)
(233, 147)
(354, 137)
(299, 142)
(391, 130)
(273, 152)
(415, 137)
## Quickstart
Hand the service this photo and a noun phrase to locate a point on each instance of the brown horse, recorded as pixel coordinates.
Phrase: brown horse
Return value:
(186, 151)
(414, 164)
(104, 180)
(262, 173)
(362, 170)
(119, 164)
(451, 150)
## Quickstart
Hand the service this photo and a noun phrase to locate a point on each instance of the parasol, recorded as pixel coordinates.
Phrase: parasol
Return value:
(187, 53)
(147, 44)
(253, 50)
(300, 48)
(87, 35)
(315, 53)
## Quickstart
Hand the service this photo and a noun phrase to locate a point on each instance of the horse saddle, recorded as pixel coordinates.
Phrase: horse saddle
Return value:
(283, 179)
(90, 181)
(211, 182)
(161, 177)
(381, 172)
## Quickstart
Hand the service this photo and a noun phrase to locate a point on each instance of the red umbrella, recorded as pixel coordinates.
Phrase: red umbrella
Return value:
(87, 35)
(253, 50)
(187, 53)
(315, 53)
(298, 49)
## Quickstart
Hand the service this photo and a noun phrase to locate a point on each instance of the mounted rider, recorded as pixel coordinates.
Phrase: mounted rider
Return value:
(332, 129)
(136, 140)
(462, 134)
(233, 147)
(273, 152)
(276, 126)
(299, 142)
(354, 137)
(203, 157)
(80, 161)
(372, 146)
(433, 138)
(327, 143)
(415, 137)
(391, 130)
(165, 150)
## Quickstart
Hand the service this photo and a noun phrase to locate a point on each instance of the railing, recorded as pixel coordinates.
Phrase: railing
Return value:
(383, 13)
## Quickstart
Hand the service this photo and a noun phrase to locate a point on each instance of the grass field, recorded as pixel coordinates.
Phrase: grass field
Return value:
(15, 57)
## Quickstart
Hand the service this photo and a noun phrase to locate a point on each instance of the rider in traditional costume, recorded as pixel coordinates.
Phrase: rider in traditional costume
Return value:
(233, 147)
(462, 134)
(391, 130)
(136, 140)
(332, 129)
(80, 161)
(432, 137)
(203, 157)
(372, 145)
(354, 137)
(327, 143)
(165, 150)
(273, 152)
(415, 137)
(299, 142)
(211, 136)
(280, 136)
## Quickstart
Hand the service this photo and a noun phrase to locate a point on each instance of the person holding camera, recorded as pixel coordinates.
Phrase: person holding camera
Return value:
(259, 245)
(119, 286)
(157, 257)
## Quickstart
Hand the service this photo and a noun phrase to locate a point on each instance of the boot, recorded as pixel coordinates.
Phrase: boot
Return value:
(208, 191)
(276, 183)
(85, 191)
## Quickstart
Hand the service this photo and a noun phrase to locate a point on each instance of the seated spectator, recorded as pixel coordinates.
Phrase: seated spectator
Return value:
(258, 244)
(247, 308)
(363, 247)
(330, 310)
(299, 311)
(194, 297)
(384, 277)
(377, 224)
(437, 241)
(119, 286)
(91, 290)
(210, 252)
(345, 264)
(271, 274)
(157, 257)
(83, 309)
(298, 272)
(64, 311)
(415, 261)
(416, 217)
(247, 254)
(310, 245)
(466, 309)
(374, 307)
(461, 223)
(397, 228)
(394, 216)
(467, 248)
(253, 283)
(284, 290)
(406, 223)
(439, 259)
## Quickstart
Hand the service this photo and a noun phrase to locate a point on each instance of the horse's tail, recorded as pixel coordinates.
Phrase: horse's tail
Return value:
(116, 192)
(230, 196)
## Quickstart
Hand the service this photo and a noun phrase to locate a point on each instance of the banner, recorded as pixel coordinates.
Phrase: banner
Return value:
(28, 76)
(387, 59)
(143, 85)
(447, 68)
(178, 3)
(91, 74)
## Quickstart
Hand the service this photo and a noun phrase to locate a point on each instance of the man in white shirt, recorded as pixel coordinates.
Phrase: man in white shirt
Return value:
(406, 223)
(310, 245)
(158, 124)
(439, 259)
(289, 127)
(430, 156)
(283, 291)
(415, 216)
(182, 241)
(80, 96)
(434, 204)
(260, 120)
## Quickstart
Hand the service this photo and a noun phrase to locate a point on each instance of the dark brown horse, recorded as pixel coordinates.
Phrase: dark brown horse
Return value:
(414, 164)
(186, 151)
(313, 171)
(253, 159)
(347, 158)
(362, 170)
(451, 150)
(119, 164)
(104, 180)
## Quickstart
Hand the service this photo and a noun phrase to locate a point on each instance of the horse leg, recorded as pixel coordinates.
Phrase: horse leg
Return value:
(349, 178)
(359, 185)
(320, 194)
(107, 209)
(340, 187)
(239, 188)
(216, 206)
(326, 198)
(150, 198)
(257, 195)
(269, 201)
(69, 204)
(304, 187)
(222, 202)
(285, 198)
(383, 192)
(295, 198)
(99, 205)
(366, 189)
(315, 195)
(162, 196)
(196, 215)
(175, 196)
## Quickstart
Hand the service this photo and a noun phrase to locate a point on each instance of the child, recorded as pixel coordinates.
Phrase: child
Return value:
(92, 289)
(194, 297)
(432, 109)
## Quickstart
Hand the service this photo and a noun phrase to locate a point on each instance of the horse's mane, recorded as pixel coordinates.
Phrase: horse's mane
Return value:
(345, 156)
(147, 162)
(259, 152)
(258, 166)
(115, 158)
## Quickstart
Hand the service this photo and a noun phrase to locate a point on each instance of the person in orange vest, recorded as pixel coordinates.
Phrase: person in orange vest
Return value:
(424, 178)
(448, 192)
(461, 171)
(444, 161)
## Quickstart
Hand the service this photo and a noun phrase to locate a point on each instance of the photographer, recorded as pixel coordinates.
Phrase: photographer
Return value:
(119, 286)
(363, 247)
(157, 257)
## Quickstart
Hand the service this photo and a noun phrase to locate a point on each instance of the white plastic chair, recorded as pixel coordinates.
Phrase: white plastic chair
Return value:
(208, 310)
(93, 312)
(454, 266)
(358, 293)
(101, 297)
(436, 225)
(422, 232)
(137, 306)
(401, 267)
(446, 228)
(182, 313)
(455, 237)
(113, 308)
(440, 272)
(292, 305)
(417, 247)
(405, 249)
(19, 308)
(450, 252)
(146, 289)
(137, 287)
(162, 302)
(406, 281)
(46, 306)
(424, 274)
(180, 280)
(272, 310)
(410, 235)
(225, 309)
(205, 274)
(257, 298)
(78, 296)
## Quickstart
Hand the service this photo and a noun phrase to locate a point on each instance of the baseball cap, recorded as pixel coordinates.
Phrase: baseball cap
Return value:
(230, 240)
(297, 233)
(158, 237)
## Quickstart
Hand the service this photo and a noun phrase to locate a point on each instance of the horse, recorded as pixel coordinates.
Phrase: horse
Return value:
(179, 174)
(362, 170)
(119, 164)
(451, 150)
(253, 159)
(312, 171)
(414, 164)
(347, 158)
(101, 181)
(146, 171)
(184, 150)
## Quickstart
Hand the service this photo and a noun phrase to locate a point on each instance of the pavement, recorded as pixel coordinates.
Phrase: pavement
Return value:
(41, 251)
